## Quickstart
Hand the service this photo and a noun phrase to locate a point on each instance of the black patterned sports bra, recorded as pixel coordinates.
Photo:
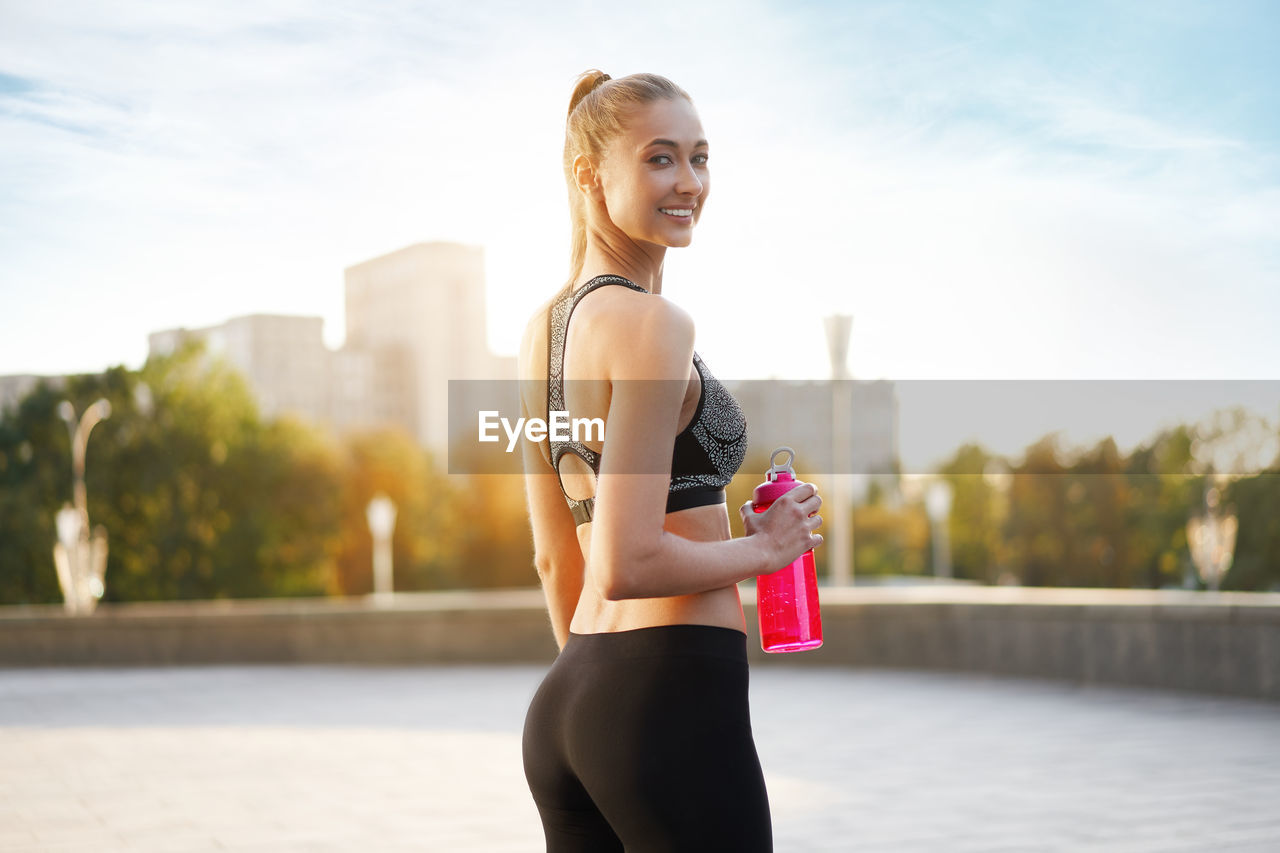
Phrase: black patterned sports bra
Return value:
(707, 453)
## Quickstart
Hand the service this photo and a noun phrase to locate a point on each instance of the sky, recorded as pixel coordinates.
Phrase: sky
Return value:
(993, 190)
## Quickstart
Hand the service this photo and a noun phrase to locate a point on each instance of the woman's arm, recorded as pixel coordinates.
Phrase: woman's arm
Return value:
(557, 556)
(632, 554)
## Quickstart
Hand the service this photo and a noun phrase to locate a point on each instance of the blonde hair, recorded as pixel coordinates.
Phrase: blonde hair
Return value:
(598, 114)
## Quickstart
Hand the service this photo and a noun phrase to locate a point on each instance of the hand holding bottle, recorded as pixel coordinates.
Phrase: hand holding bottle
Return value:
(786, 526)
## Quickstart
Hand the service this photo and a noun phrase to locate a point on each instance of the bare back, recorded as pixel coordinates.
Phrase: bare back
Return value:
(585, 357)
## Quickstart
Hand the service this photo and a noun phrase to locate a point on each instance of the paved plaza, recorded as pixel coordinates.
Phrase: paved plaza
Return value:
(332, 758)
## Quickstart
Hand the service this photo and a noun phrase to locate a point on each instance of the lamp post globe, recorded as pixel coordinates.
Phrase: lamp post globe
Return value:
(381, 515)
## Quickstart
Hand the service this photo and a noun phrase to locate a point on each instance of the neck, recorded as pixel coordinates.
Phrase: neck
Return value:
(633, 263)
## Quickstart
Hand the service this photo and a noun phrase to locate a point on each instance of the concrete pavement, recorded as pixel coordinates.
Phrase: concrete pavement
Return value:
(427, 758)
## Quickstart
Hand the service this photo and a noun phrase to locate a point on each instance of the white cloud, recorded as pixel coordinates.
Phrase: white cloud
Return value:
(241, 157)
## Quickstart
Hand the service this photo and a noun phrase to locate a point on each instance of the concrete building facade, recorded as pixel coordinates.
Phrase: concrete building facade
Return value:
(282, 356)
(427, 300)
(415, 318)
(370, 388)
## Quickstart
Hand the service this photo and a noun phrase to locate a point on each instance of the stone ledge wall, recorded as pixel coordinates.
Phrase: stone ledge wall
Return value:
(1226, 643)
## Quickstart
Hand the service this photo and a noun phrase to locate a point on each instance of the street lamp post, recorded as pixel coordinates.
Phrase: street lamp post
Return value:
(1212, 539)
(937, 503)
(1231, 445)
(1000, 479)
(381, 514)
(80, 560)
(841, 559)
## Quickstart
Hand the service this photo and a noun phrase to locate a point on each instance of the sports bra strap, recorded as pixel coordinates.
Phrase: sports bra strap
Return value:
(557, 338)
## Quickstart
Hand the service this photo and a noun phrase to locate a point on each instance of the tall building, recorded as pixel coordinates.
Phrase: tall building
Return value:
(283, 357)
(415, 319)
(429, 300)
(370, 388)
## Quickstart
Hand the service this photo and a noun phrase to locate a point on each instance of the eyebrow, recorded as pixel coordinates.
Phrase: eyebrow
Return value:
(697, 144)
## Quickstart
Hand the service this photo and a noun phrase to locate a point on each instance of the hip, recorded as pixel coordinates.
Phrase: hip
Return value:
(646, 680)
(595, 614)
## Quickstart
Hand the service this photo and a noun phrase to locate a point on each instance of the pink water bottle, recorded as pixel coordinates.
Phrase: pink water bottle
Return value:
(786, 600)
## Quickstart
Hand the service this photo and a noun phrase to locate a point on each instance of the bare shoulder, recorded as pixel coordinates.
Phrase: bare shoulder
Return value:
(641, 336)
(624, 331)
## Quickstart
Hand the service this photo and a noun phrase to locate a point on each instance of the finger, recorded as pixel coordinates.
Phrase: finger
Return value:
(816, 521)
(802, 493)
(817, 539)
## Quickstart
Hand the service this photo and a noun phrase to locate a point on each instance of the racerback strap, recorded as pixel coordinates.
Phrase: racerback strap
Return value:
(557, 337)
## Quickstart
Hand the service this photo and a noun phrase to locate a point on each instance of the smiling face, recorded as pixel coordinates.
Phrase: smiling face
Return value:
(654, 176)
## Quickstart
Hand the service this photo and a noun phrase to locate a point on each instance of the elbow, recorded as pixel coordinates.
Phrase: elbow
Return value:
(609, 580)
(611, 589)
(563, 570)
(551, 571)
(620, 575)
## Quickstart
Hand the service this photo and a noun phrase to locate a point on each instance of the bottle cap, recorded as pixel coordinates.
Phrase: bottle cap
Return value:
(775, 469)
(779, 479)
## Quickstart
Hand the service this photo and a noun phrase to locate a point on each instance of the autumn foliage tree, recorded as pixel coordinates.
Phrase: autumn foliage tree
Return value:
(203, 497)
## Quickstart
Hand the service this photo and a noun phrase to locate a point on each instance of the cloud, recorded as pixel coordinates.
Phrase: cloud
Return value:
(982, 201)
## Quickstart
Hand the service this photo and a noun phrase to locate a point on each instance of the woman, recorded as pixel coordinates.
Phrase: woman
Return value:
(640, 735)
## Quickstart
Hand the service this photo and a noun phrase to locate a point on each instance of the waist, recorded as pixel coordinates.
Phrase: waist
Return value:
(717, 608)
(665, 641)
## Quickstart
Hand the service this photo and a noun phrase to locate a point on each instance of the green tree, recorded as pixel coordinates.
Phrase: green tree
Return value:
(1097, 501)
(1257, 558)
(974, 524)
(424, 551)
(200, 498)
(1036, 531)
(1163, 491)
(35, 480)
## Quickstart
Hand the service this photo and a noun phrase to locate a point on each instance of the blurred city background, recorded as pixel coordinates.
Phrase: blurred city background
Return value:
(240, 460)
(1022, 260)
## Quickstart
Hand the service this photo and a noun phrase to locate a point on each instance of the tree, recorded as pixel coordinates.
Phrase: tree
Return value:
(35, 480)
(1036, 531)
(974, 524)
(201, 499)
(1162, 491)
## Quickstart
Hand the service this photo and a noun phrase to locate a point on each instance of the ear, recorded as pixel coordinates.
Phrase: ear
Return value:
(586, 176)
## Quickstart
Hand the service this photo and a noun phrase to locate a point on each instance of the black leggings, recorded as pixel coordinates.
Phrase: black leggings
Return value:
(641, 741)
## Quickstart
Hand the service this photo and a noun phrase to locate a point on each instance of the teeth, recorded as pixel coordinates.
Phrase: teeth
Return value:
(676, 211)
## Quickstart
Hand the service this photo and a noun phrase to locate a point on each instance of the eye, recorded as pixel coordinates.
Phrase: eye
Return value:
(700, 159)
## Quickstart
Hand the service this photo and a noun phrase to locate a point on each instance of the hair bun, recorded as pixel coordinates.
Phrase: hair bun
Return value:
(587, 82)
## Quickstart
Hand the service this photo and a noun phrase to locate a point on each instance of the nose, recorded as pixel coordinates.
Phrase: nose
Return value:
(687, 181)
